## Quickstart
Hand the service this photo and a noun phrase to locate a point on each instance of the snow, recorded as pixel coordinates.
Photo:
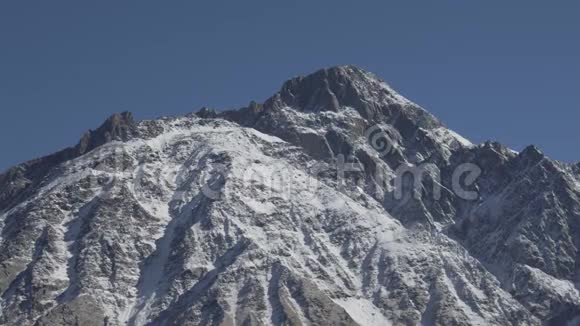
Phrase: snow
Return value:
(563, 288)
(260, 207)
(363, 312)
(464, 141)
(474, 318)
(447, 137)
(264, 137)
(306, 225)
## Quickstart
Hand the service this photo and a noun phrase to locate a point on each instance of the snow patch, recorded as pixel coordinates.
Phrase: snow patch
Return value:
(260, 207)
(363, 312)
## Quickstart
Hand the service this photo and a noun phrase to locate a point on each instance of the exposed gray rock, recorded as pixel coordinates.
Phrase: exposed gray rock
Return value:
(18, 183)
(245, 218)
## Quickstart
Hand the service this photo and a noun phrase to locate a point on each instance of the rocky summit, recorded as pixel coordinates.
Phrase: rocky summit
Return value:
(335, 202)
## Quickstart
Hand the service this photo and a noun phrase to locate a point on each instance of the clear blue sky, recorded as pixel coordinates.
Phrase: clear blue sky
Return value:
(500, 70)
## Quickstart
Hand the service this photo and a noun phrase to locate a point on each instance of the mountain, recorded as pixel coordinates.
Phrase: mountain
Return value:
(335, 202)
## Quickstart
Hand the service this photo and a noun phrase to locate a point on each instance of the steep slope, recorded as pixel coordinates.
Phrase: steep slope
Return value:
(297, 211)
(18, 182)
(523, 223)
(526, 230)
(138, 240)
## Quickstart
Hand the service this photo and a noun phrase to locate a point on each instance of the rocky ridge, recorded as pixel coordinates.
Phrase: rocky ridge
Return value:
(248, 217)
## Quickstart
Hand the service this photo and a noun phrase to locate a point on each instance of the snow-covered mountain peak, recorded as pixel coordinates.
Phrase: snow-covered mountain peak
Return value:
(336, 201)
(338, 87)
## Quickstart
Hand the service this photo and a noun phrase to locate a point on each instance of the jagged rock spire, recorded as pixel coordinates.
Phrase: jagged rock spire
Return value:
(16, 182)
(324, 90)
(119, 126)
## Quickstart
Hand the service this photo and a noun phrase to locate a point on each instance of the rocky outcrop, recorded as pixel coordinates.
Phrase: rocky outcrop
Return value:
(17, 183)
(303, 210)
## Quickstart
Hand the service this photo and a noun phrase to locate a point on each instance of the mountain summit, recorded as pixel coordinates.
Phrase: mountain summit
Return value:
(335, 202)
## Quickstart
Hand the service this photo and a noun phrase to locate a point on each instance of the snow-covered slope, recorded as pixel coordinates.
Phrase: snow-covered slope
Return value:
(248, 217)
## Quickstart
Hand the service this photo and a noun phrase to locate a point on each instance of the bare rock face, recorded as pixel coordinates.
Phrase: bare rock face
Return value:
(17, 183)
(302, 210)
